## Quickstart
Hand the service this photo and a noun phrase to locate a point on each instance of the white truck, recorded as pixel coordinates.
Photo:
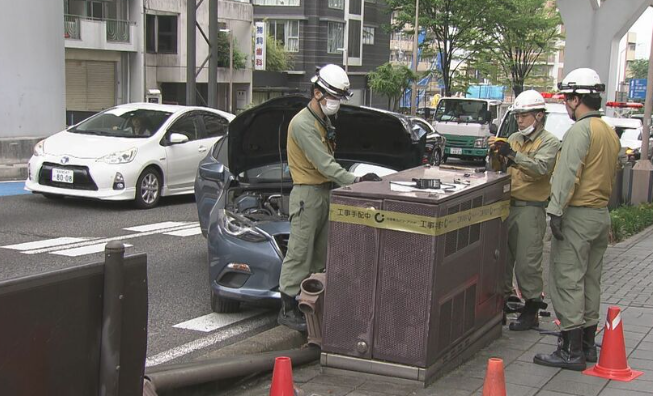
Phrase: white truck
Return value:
(467, 123)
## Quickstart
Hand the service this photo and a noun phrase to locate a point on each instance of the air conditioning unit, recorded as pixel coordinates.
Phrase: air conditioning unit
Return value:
(414, 276)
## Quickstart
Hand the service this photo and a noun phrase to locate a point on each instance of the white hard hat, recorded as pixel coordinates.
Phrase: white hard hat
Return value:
(332, 79)
(581, 81)
(528, 101)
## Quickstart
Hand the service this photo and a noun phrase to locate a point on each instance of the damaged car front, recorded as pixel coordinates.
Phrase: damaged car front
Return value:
(243, 187)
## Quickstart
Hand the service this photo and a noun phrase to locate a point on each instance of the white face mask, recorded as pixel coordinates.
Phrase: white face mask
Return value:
(528, 130)
(332, 106)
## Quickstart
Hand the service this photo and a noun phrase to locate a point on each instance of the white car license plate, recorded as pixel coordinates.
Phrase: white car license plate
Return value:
(62, 175)
(456, 150)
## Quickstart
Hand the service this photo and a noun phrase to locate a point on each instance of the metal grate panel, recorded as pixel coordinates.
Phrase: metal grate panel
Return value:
(349, 314)
(451, 238)
(406, 263)
(475, 230)
(457, 317)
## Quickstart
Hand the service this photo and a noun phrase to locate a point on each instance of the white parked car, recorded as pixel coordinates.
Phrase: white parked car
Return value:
(137, 151)
(629, 131)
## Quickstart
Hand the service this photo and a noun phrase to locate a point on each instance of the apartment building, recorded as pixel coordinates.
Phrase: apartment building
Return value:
(166, 51)
(349, 33)
(103, 55)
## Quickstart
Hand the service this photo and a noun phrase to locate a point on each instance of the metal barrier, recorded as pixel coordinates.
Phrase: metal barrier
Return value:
(76, 331)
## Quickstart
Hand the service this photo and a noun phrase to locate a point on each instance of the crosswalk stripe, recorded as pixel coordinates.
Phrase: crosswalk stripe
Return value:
(186, 232)
(212, 339)
(46, 243)
(213, 321)
(156, 226)
(116, 238)
(80, 251)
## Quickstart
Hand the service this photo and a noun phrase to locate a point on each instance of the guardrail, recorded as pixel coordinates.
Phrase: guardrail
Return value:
(76, 331)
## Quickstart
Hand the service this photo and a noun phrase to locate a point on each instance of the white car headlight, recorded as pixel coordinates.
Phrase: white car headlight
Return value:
(120, 157)
(480, 142)
(240, 228)
(39, 148)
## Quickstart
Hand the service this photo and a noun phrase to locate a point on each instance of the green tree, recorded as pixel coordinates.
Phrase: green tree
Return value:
(523, 34)
(452, 26)
(391, 81)
(223, 52)
(277, 59)
(639, 68)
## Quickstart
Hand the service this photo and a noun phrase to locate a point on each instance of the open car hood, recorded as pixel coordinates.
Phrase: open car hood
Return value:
(362, 135)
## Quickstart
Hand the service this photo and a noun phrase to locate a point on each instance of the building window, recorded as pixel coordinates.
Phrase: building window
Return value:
(339, 4)
(368, 35)
(354, 39)
(285, 32)
(370, 1)
(161, 34)
(276, 2)
(335, 37)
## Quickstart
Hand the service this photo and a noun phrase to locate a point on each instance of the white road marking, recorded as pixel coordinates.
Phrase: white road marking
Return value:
(214, 321)
(80, 251)
(155, 226)
(116, 238)
(186, 232)
(209, 340)
(44, 243)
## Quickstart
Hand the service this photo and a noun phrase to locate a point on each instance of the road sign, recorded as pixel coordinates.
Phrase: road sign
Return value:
(637, 89)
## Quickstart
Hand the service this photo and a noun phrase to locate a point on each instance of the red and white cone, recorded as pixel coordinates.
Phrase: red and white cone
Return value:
(612, 359)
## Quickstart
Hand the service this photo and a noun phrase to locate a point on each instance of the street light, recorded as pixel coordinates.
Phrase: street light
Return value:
(344, 52)
(231, 67)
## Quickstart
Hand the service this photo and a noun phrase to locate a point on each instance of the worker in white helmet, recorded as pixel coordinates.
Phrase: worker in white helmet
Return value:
(310, 147)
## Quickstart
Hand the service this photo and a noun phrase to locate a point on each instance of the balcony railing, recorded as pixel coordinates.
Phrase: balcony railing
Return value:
(71, 27)
(117, 31)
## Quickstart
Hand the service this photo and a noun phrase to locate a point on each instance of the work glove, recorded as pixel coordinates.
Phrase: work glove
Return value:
(504, 149)
(369, 177)
(556, 227)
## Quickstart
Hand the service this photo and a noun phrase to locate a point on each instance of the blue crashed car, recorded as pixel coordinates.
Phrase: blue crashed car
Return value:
(243, 185)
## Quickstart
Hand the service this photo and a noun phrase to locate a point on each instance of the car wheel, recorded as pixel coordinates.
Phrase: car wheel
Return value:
(436, 158)
(224, 305)
(148, 189)
(53, 196)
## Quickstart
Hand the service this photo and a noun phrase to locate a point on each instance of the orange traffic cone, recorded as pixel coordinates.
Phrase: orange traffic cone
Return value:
(612, 359)
(495, 380)
(282, 384)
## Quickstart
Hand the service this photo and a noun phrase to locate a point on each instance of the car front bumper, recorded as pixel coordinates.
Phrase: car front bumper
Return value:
(91, 179)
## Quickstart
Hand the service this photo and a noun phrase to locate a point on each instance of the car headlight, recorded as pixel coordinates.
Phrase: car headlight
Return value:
(39, 148)
(120, 157)
(240, 228)
(480, 142)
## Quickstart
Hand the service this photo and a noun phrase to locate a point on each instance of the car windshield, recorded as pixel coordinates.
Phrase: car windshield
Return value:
(467, 111)
(630, 134)
(129, 123)
(556, 123)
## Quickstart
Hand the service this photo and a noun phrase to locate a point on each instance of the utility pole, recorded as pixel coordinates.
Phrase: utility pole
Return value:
(231, 70)
(644, 163)
(213, 48)
(191, 21)
(413, 94)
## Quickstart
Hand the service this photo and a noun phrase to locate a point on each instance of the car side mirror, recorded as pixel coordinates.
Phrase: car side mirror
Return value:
(213, 172)
(177, 138)
(493, 129)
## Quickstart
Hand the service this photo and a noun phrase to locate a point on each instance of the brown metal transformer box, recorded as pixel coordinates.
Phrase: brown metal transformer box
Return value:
(413, 296)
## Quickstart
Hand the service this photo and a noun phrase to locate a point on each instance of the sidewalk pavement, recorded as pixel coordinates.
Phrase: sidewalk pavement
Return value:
(627, 282)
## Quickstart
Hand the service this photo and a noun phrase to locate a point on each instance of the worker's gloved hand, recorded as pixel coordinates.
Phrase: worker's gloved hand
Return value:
(370, 177)
(503, 148)
(556, 227)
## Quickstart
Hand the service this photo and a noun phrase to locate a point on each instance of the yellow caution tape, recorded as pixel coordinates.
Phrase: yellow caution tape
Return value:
(417, 224)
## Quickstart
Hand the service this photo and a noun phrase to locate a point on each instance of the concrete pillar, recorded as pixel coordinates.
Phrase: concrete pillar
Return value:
(593, 33)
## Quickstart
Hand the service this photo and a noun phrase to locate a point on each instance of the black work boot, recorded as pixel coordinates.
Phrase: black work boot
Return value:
(528, 318)
(589, 345)
(512, 304)
(569, 354)
(290, 315)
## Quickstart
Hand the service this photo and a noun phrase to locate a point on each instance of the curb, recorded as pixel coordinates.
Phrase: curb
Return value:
(13, 172)
(276, 339)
